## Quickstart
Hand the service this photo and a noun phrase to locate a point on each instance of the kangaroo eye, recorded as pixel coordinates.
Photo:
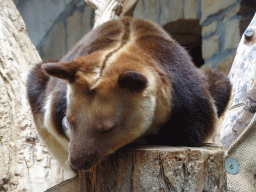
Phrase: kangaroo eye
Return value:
(66, 127)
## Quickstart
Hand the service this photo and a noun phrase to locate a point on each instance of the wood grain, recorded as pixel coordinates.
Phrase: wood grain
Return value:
(158, 169)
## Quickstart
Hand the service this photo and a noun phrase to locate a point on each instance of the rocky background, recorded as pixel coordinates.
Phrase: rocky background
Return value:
(210, 29)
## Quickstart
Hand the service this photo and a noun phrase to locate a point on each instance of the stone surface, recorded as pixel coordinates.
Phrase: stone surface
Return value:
(232, 34)
(190, 9)
(78, 25)
(209, 28)
(210, 7)
(206, 67)
(220, 30)
(232, 12)
(54, 45)
(25, 164)
(161, 12)
(210, 46)
(65, 34)
(55, 25)
(74, 19)
(44, 14)
(226, 64)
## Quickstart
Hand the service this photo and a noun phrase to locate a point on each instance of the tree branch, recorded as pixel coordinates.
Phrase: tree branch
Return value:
(242, 76)
(111, 9)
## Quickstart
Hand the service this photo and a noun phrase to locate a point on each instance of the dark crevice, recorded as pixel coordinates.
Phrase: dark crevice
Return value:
(246, 11)
(166, 185)
(132, 172)
(188, 33)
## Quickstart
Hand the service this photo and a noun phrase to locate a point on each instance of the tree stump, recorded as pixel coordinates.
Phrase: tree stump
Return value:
(155, 169)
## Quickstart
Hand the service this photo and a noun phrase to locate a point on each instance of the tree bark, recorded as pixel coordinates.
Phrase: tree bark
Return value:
(25, 164)
(242, 76)
(155, 169)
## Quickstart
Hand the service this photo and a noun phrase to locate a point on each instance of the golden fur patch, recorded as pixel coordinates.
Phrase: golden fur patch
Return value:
(50, 125)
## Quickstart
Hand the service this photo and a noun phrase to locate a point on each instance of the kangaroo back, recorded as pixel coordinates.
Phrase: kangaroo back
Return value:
(220, 88)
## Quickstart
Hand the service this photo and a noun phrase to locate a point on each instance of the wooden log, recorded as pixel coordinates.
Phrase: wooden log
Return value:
(242, 76)
(157, 169)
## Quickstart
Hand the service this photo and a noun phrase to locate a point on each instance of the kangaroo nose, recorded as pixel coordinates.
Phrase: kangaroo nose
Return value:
(81, 164)
(84, 160)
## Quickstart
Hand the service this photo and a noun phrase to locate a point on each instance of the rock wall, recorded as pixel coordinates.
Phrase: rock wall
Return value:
(220, 32)
(221, 25)
(55, 26)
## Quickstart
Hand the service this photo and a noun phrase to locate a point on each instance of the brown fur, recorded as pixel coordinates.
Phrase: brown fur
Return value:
(126, 80)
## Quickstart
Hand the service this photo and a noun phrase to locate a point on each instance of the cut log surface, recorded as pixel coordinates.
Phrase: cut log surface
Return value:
(156, 169)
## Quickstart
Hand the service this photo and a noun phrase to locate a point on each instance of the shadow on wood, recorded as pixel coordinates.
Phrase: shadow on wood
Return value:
(154, 169)
(70, 185)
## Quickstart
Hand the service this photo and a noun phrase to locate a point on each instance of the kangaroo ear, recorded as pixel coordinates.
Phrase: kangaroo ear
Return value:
(66, 71)
(132, 80)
